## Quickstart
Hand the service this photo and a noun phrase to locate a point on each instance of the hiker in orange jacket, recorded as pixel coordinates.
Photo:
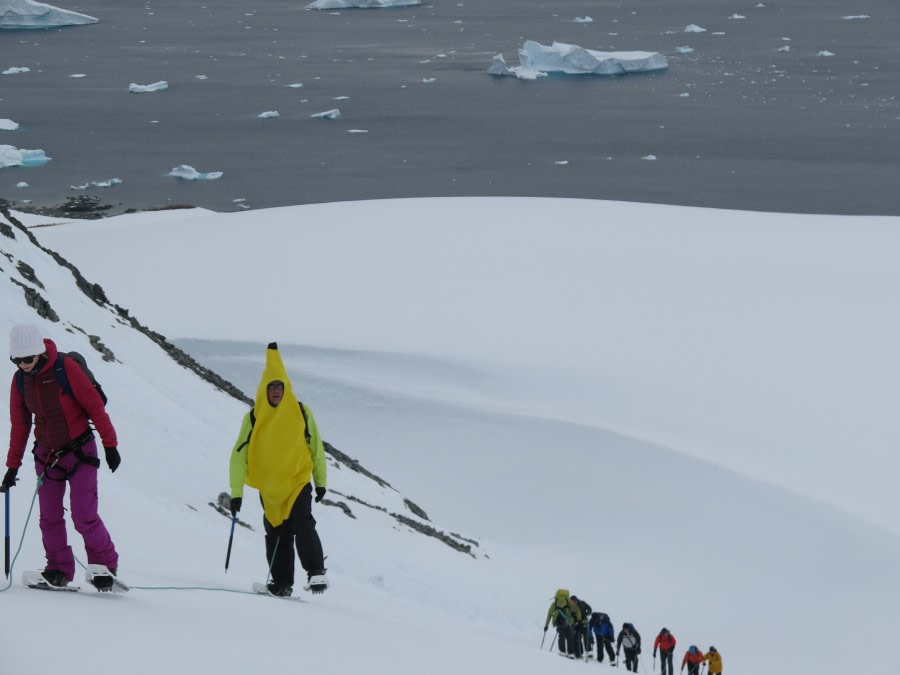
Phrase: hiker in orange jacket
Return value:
(693, 657)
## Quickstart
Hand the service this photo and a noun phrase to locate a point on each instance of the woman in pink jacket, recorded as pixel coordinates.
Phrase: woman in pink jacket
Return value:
(65, 451)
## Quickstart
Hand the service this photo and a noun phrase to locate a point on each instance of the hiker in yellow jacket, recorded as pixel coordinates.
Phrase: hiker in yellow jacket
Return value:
(278, 452)
(715, 661)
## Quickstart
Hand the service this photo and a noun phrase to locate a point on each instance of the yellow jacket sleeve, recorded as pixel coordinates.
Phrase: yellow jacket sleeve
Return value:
(238, 465)
(317, 450)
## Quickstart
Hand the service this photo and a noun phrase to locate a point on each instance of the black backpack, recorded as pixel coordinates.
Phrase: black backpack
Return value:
(61, 377)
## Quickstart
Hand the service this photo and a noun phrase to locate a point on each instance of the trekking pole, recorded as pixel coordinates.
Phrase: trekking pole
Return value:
(230, 539)
(542, 640)
(6, 538)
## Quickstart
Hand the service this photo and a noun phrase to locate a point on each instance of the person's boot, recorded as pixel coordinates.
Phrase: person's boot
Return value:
(104, 582)
(55, 578)
(318, 582)
(279, 589)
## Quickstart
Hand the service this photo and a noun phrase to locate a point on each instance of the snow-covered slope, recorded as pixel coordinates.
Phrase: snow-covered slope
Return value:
(608, 397)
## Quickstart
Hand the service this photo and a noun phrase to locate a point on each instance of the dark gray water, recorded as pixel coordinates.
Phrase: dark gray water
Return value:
(761, 129)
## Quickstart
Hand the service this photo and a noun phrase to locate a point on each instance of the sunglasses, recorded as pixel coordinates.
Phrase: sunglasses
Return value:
(275, 385)
(23, 359)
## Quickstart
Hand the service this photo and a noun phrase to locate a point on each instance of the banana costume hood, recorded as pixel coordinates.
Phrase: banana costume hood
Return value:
(279, 461)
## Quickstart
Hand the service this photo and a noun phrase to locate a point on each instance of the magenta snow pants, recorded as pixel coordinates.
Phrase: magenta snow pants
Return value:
(82, 480)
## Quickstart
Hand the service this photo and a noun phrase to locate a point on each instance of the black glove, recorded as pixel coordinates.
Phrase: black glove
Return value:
(320, 492)
(236, 505)
(654, 655)
(113, 459)
(545, 629)
(9, 480)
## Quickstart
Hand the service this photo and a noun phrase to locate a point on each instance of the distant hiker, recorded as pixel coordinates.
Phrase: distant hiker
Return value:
(564, 614)
(714, 658)
(630, 639)
(601, 627)
(665, 643)
(278, 451)
(582, 635)
(64, 451)
(693, 657)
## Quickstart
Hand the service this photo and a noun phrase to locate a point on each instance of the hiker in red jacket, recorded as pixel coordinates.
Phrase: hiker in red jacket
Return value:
(64, 451)
(665, 643)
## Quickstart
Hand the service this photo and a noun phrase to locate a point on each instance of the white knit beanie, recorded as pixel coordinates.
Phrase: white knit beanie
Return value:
(25, 340)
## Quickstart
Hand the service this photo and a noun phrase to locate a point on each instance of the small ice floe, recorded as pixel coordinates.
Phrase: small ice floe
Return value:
(12, 156)
(332, 114)
(201, 77)
(718, 32)
(99, 184)
(143, 88)
(77, 76)
(684, 94)
(428, 80)
(583, 19)
(537, 60)
(360, 4)
(856, 16)
(186, 172)
(561, 162)
(759, 5)
(15, 70)
(786, 48)
(22, 184)
(8, 125)
(737, 16)
(357, 131)
(684, 50)
(694, 28)
(268, 114)
(296, 85)
(825, 52)
(650, 158)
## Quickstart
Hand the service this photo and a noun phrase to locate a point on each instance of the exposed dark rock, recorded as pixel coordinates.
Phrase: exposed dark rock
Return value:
(36, 301)
(353, 465)
(27, 272)
(422, 528)
(416, 509)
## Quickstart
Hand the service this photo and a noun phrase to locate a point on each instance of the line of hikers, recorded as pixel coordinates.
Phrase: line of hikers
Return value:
(577, 628)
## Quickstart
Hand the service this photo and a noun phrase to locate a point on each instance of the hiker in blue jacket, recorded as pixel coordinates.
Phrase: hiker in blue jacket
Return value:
(602, 628)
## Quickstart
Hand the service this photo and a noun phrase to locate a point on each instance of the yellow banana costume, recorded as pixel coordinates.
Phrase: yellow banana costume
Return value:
(277, 460)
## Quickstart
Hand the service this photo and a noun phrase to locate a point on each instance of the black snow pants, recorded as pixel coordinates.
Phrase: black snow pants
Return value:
(299, 531)
(608, 644)
(568, 644)
(631, 659)
(665, 660)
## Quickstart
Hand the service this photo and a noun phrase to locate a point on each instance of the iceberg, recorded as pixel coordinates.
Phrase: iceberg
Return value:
(29, 14)
(142, 88)
(360, 4)
(12, 156)
(537, 60)
(333, 114)
(8, 125)
(186, 172)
